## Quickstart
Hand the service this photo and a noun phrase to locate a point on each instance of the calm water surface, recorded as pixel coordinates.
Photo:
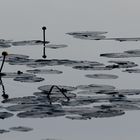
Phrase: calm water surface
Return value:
(22, 20)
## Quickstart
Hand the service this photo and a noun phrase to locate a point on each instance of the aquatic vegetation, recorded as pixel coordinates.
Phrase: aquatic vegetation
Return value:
(125, 54)
(89, 35)
(124, 39)
(102, 76)
(2, 131)
(132, 70)
(4, 115)
(44, 71)
(21, 129)
(95, 87)
(56, 46)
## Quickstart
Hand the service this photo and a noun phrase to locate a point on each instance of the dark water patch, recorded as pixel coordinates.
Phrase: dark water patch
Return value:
(21, 129)
(28, 43)
(2, 131)
(44, 71)
(56, 46)
(95, 87)
(102, 76)
(132, 70)
(4, 115)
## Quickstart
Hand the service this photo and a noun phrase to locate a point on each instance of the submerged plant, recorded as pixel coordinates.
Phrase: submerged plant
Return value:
(4, 54)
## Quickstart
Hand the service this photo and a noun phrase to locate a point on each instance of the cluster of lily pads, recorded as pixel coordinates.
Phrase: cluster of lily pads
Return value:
(98, 35)
(80, 102)
(17, 129)
(85, 102)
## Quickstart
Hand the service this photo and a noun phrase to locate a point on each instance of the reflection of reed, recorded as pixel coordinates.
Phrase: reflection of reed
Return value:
(4, 95)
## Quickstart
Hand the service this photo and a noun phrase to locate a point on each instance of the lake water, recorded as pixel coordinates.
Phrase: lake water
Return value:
(23, 20)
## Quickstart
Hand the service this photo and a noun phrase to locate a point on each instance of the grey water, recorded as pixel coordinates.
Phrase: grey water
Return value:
(23, 20)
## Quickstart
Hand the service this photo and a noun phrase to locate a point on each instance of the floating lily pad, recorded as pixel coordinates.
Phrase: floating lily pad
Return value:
(90, 37)
(104, 113)
(125, 39)
(15, 57)
(55, 46)
(2, 131)
(132, 70)
(77, 117)
(41, 114)
(4, 115)
(47, 88)
(21, 129)
(125, 54)
(29, 79)
(102, 76)
(95, 87)
(27, 100)
(92, 68)
(55, 94)
(4, 45)
(44, 71)
(123, 92)
(119, 106)
(124, 64)
(28, 43)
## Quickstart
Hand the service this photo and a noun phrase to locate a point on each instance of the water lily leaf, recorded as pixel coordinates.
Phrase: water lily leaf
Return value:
(27, 100)
(55, 46)
(102, 76)
(28, 43)
(44, 71)
(104, 113)
(124, 39)
(56, 95)
(125, 54)
(92, 68)
(124, 64)
(29, 79)
(77, 117)
(41, 114)
(21, 129)
(2, 131)
(47, 88)
(95, 87)
(132, 70)
(4, 115)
